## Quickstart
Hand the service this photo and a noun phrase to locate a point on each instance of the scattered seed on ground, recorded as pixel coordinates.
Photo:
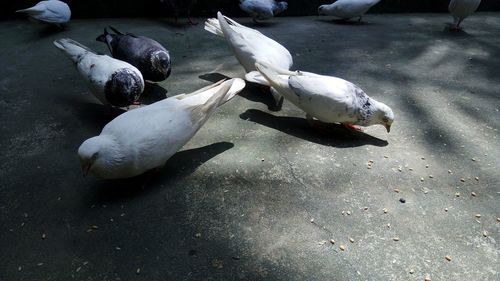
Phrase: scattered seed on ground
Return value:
(448, 258)
(348, 213)
(485, 233)
(322, 242)
(431, 176)
(388, 225)
(312, 220)
(446, 209)
(342, 247)
(473, 194)
(449, 172)
(412, 271)
(396, 190)
(351, 240)
(20, 268)
(197, 235)
(498, 219)
(473, 159)
(421, 179)
(423, 158)
(427, 166)
(138, 271)
(478, 216)
(78, 269)
(395, 239)
(427, 278)
(44, 236)
(332, 241)
(462, 180)
(385, 156)
(457, 194)
(402, 200)
(476, 178)
(385, 210)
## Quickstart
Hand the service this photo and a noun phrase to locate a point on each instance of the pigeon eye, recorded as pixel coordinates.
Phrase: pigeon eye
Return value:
(385, 119)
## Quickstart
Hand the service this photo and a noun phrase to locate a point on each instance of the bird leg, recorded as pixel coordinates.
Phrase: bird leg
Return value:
(352, 127)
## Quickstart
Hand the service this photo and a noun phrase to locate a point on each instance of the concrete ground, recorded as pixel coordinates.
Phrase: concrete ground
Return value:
(257, 194)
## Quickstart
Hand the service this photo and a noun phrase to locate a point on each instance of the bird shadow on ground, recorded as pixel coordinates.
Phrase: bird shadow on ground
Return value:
(332, 134)
(258, 93)
(449, 32)
(179, 166)
(213, 77)
(152, 93)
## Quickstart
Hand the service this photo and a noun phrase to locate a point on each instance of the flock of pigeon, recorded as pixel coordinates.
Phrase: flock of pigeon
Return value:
(143, 139)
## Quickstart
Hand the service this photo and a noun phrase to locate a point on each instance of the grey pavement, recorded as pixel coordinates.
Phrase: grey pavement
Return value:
(258, 194)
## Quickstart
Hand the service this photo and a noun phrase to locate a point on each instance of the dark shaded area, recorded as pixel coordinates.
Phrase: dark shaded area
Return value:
(334, 135)
(208, 8)
(153, 93)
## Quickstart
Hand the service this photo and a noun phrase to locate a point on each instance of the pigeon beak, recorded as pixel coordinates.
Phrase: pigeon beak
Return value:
(86, 169)
(388, 127)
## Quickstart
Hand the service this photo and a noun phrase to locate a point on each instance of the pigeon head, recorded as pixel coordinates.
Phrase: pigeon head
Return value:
(98, 154)
(124, 87)
(161, 62)
(383, 115)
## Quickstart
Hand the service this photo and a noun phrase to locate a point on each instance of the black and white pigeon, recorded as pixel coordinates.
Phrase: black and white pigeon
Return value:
(51, 11)
(111, 81)
(179, 6)
(328, 99)
(460, 9)
(145, 138)
(347, 9)
(262, 9)
(149, 56)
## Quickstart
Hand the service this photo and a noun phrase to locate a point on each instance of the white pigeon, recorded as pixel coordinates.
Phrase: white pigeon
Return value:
(52, 11)
(328, 99)
(262, 9)
(460, 9)
(111, 81)
(249, 46)
(145, 138)
(347, 9)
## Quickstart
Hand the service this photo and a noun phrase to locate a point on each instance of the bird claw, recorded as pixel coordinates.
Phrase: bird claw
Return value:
(352, 127)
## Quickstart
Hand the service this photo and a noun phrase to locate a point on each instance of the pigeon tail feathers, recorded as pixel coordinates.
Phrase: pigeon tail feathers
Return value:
(71, 48)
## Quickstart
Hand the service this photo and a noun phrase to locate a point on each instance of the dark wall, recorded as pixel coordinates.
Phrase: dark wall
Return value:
(153, 8)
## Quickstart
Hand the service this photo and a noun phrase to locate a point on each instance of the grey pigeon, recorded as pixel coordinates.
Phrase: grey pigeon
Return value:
(111, 81)
(262, 9)
(52, 11)
(149, 56)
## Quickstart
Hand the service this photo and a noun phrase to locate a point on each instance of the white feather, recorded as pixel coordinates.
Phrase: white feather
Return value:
(145, 138)
(249, 45)
(329, 99)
